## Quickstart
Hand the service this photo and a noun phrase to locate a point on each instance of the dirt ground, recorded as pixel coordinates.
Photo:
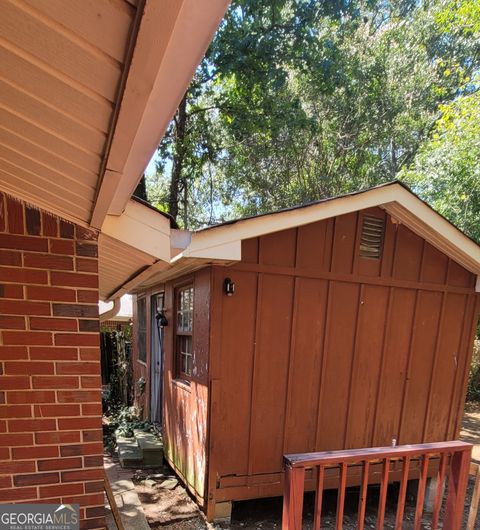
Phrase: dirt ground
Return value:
(471, 429)
(175, 510)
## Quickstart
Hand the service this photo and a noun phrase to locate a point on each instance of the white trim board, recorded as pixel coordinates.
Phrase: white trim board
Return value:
(396, 199)
(222, 243)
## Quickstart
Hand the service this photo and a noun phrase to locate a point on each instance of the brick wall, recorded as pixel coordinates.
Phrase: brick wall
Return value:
(50, 405)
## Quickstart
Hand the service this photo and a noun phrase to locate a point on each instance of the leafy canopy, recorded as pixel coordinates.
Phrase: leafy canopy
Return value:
(298, 100)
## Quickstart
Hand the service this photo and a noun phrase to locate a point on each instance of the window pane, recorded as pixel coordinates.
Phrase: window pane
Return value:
(185, 353)
(185, 310)
(184, 342)
(189, 365)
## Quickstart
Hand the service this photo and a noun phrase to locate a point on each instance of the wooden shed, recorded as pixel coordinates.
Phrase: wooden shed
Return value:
(341, 324)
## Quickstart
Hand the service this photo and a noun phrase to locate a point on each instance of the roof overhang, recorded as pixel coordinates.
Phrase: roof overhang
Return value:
(223, 243)
(172, 39)
(87, 90)
(142, 228)
(394, 197)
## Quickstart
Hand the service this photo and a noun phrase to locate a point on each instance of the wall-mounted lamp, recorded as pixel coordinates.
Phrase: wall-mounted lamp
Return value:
(161, 319)
(228, 287)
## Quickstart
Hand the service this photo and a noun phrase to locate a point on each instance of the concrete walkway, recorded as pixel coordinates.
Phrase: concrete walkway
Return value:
(129, 505)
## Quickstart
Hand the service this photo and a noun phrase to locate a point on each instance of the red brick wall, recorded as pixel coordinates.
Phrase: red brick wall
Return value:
(50, 405)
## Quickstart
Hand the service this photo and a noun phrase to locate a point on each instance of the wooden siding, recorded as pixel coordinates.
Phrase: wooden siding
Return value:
(320, 349)
(185, 406)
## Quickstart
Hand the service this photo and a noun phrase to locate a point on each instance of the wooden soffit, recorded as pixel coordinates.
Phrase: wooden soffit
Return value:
(87, 89)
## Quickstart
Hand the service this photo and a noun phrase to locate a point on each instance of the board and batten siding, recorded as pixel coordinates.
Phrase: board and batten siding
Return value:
(185, 405)
(321, 349)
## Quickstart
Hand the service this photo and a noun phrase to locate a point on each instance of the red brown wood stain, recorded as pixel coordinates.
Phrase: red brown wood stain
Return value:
(318, 349)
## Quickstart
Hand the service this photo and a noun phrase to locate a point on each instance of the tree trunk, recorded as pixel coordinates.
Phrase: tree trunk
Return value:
(141, 190)
(178, 158)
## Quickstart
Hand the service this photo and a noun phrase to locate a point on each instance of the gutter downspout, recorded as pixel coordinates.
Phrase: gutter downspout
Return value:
(111, 312)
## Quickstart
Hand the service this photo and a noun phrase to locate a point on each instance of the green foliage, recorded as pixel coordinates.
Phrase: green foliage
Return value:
(299, 100)
(460, 17)
(120, 383)
(446, 171)
(123, 420)
(141, 383)
(125, 329)
(473, 388)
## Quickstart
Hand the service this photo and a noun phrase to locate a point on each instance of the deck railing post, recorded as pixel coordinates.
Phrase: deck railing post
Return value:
(472, 514)
(454, 452)
(457, 487)
(293, 498)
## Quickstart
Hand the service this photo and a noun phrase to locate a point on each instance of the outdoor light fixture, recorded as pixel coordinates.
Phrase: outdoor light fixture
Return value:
(228, 287)
(161, 319)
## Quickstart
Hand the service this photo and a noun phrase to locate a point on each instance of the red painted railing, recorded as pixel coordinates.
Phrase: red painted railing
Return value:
(440, 459)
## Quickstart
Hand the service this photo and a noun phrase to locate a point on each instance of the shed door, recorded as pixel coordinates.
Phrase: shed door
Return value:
(156, 364)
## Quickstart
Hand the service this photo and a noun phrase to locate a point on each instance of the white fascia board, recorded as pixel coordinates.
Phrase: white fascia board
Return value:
(229, 251)
(141, 228)
(224, 243)
(417, 215)
(434, 228)
(275, 222)
(171, 41)
(191, 25)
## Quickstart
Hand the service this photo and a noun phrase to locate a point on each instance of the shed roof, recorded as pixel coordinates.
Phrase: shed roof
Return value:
(222, 243)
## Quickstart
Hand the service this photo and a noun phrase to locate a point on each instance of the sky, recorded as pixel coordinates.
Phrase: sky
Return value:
(151, 169)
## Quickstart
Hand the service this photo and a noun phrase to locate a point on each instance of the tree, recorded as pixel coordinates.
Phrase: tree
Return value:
(299, 100)
(141, 190)
(189, 146)
(446, 171)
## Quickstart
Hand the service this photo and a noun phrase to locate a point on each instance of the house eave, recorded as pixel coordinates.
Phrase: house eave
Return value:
(158, 78)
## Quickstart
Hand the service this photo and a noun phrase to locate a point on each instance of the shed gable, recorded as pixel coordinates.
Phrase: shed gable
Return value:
(334, 246)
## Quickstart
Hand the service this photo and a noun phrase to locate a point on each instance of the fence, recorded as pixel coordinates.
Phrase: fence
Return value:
(440, 460)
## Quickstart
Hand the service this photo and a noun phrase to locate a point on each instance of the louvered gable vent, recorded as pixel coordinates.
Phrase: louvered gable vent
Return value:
(371, 241)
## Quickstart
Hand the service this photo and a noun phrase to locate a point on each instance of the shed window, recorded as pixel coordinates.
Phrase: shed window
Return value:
(142, 329)
(184, 332)
(371, 241)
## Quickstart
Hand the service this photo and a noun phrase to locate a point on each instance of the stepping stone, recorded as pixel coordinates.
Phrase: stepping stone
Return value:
(158, 477)
(129, 454)
(149, 483)
(151, 447)
(169, 484)
(147, 441)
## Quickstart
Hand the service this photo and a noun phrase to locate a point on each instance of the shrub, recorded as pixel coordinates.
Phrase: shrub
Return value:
(473, 389)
